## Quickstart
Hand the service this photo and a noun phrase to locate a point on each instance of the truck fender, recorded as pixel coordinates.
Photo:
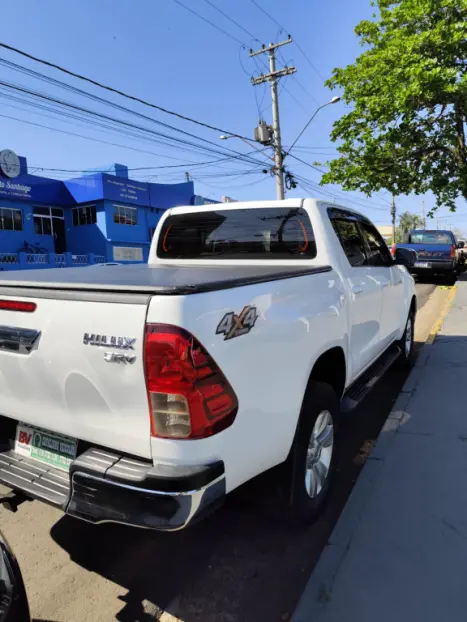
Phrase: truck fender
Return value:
(330, 366)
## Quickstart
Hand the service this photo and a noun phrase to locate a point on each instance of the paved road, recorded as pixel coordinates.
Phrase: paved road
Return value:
(423, 293)
(237, 566)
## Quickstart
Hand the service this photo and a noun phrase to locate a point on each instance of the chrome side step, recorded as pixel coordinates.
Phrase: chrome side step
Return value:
(363, 385)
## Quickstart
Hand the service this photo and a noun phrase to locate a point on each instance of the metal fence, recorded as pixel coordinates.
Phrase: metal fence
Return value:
(80, 260)
(8, 258)
(34, 261)
(37, 258)
(60, 260)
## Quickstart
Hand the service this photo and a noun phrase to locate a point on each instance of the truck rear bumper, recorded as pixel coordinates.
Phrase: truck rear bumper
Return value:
(433, 267)
(103, 486)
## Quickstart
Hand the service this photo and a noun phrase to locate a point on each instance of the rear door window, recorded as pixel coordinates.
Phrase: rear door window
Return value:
(378, 252)
(351, 241)
(252, 233)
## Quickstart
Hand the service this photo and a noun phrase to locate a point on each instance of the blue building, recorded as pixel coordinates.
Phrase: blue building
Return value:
(93, 218)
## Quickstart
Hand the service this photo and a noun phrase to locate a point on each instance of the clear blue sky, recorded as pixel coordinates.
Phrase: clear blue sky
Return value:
(159, 51)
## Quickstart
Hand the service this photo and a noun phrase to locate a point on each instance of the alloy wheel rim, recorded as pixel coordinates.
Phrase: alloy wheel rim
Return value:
(319, 454)
(408, 338)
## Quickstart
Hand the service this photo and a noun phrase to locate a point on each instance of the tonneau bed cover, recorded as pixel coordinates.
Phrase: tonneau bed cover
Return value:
(158, 279)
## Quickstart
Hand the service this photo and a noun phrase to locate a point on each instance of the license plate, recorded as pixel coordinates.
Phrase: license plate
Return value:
(47, 447)
(422, 264)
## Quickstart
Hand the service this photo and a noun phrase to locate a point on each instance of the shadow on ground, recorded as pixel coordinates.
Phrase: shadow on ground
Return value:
(237, 565)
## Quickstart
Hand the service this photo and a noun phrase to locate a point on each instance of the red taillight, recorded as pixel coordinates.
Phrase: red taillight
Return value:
(393, 250)
(16, 305)
(453, 250)
(189, 396)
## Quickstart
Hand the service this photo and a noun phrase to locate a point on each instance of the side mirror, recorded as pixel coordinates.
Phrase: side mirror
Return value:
(405, 257)
(460, 244)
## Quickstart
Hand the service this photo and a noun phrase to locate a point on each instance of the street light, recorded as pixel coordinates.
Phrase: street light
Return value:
(334, 100)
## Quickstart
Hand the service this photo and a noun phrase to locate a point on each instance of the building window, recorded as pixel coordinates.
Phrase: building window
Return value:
(43, 219)
(125, 215)
(84, 215)
(11, 219)
(42, 226)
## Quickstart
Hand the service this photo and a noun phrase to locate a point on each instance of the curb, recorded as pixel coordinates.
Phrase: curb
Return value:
(442, 316)
(318, 591)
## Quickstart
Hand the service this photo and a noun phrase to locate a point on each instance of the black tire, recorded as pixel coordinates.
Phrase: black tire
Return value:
(407, 358)
(292, 503)
(451, 278)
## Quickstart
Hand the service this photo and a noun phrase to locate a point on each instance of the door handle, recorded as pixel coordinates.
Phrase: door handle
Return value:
(385, 283)
(356, 289)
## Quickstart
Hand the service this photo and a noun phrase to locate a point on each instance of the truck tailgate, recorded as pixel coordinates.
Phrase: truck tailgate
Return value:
(65, 382)
(430, 252)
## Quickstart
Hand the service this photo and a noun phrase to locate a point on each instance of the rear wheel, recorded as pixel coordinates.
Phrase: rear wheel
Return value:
(304, 480)
(451, 278)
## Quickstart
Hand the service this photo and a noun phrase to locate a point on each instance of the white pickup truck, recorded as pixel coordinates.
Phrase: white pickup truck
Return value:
(143, 394)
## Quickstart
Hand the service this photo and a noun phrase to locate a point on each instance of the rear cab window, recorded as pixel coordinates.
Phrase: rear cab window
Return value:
(250, 233)
(431, 237)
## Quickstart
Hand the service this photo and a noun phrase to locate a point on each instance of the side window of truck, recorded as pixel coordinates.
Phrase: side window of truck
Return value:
(378, 252)
(351, 241)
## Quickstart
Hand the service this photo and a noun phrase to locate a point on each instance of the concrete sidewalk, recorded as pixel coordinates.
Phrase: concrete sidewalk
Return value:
(399, 550)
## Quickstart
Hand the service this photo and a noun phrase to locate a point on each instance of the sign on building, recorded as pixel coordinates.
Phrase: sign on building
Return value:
(9, 163)
(127, 253)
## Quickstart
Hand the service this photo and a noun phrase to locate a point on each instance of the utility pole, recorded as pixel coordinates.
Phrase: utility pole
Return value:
(187, 176)
(393, 219)
(273, 77)
(423, 214)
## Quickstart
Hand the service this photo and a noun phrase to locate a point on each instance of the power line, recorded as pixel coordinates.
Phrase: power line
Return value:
(186, 163)
(150, 168)
(217, 150)
(267, 15)
(284, 30)
(101, 100)
(232, 20)
(117, 91)
(294, 77)
(305, 90)
(306, 163)
(205, 19)
(321, 171)
(242, 43)
(308, 185)
(54, 129)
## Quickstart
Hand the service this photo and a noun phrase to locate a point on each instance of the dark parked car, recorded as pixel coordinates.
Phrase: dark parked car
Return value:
(13, 600)
(436, 253)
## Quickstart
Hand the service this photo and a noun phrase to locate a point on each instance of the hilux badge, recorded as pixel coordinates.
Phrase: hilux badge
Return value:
(109, 341)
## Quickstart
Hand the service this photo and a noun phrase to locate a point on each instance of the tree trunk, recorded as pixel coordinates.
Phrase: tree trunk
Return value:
(461, 151)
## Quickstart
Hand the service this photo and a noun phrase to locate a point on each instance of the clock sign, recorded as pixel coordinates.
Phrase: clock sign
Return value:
(9, 163)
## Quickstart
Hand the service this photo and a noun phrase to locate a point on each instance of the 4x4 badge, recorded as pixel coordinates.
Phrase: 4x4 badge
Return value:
(233, 325)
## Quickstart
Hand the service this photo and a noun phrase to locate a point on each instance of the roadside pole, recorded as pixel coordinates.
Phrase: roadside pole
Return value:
(393, 218)
(272, 77)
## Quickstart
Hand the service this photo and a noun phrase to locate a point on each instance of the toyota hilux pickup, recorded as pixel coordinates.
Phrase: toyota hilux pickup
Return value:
(143, 394)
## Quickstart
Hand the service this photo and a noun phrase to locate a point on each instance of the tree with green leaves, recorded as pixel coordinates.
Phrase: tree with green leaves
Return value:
(408, 222)
(406, 131)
